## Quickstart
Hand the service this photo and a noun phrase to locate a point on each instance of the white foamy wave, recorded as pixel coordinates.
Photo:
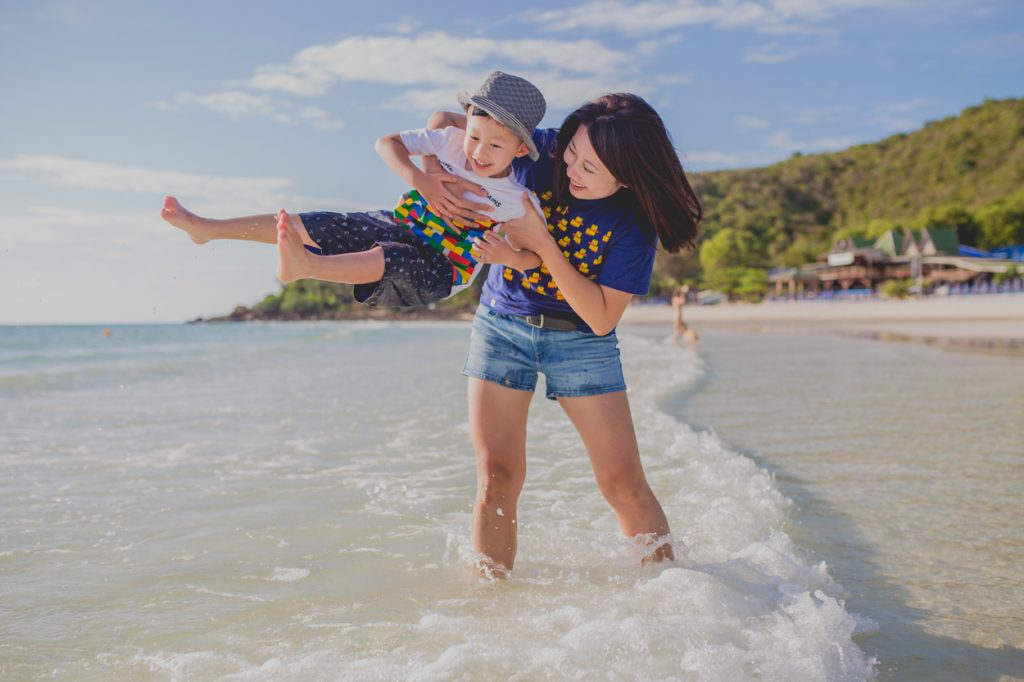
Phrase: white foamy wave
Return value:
(288, 575)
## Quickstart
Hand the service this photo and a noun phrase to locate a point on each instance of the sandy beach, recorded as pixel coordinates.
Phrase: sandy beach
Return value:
(995, 322)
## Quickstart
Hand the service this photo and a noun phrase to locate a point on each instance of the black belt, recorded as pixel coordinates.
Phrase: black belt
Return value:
(548, 322)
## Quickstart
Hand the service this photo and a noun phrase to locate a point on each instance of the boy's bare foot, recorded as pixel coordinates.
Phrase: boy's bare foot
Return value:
(177, 215)
(293, 259)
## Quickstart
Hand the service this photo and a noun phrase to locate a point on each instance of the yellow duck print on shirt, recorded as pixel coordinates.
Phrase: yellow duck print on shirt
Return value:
(582, 246)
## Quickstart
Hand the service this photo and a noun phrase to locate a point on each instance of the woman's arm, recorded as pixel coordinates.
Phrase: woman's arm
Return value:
(600, 307)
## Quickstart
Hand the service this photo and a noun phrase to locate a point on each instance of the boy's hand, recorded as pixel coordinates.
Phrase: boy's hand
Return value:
(492, 248)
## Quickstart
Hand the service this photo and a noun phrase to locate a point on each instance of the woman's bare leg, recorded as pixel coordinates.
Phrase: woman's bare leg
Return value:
(255, 228)
(605, 424)
(497, 418)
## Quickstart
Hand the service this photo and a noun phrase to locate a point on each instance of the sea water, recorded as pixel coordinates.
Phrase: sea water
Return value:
(293, 501)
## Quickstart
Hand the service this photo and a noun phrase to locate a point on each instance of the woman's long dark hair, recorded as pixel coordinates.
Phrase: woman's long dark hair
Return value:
(632, 142)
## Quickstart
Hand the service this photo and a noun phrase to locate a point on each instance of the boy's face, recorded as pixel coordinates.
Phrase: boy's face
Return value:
(490, 147)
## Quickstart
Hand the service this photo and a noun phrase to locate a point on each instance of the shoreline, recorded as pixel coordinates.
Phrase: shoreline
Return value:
(989, 324)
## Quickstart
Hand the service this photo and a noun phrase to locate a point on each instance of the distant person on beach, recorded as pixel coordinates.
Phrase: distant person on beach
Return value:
(683, 331)
(611, 188)
(411, 256)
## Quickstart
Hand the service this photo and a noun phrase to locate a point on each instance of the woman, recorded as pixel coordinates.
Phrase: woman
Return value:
(612, 188)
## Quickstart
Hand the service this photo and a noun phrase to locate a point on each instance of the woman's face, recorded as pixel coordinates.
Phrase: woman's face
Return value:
(588, 177)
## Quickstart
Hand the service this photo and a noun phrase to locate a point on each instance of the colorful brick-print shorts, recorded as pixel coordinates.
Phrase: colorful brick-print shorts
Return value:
(505, 350)
(414, 273)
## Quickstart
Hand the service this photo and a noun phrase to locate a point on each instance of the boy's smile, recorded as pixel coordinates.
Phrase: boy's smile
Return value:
(490, 147)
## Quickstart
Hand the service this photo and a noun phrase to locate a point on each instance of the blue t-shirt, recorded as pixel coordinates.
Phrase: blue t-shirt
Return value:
(605, 239)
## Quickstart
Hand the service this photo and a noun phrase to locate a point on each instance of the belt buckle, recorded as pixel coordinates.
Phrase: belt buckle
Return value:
(535, 321)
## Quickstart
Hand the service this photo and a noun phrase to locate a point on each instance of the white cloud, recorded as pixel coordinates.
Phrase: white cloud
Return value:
(630, 18)
(771, 53)
(640, 18)
(673, 79)
(892, 116)
(427, 69)
(900, 107)
(212, 194)
(56, 225)
(97, 175)
(817, 115)
(711, 159)
(407, 24)
(238, 104)
(232, 103)
(750, 122)
(433, 59)
(785, 142)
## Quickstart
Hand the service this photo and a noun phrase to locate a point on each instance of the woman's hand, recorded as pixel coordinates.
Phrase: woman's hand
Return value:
(531, 231)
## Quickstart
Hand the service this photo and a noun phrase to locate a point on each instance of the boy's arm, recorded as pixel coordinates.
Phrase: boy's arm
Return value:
(446, 119)
(391, 149)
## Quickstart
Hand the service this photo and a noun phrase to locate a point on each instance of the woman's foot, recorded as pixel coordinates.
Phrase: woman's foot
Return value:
(293, 260)
(177, 215)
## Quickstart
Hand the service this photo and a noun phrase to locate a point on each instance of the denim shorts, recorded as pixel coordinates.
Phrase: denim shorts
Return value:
(505, 350)
(414, 273)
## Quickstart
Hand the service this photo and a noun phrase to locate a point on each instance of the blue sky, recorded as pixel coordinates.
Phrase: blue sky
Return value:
(247, 107)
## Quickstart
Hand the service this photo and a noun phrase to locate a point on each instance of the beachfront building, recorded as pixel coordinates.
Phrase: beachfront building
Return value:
(932, 257)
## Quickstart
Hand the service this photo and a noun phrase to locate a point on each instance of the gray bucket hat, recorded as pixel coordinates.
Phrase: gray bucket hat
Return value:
(514, 102)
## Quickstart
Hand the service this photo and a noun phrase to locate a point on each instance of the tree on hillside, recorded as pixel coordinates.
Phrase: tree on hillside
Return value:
(726, 259)
(1002, 223)
(955, 216)
(730, 248)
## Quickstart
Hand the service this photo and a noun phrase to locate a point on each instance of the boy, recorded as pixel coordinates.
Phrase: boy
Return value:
(414, 257)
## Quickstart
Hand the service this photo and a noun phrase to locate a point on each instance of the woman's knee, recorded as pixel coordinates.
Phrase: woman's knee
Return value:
(498, 481)
(626, 492)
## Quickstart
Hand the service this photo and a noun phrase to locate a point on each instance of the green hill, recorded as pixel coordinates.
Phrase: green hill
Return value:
(954, 172)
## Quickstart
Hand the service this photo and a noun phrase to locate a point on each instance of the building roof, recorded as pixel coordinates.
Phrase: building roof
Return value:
(935, 240)
(891, 243)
